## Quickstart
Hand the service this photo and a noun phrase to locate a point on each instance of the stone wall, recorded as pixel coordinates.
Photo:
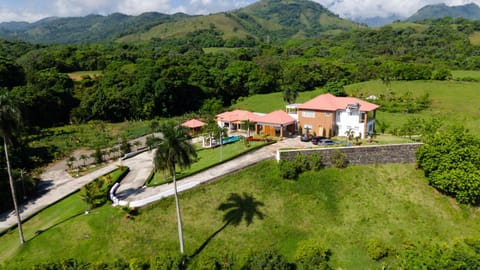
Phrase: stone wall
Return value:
(361, 155)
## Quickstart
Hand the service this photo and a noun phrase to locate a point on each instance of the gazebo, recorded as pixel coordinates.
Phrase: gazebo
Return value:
(194, 126)
(234, 119)
(277, 123)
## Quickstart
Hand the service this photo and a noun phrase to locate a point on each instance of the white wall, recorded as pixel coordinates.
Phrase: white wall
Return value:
(349, 120)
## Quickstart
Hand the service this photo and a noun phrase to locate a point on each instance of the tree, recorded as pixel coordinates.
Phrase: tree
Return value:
(84, 158)
(174, 149)
(9, 123)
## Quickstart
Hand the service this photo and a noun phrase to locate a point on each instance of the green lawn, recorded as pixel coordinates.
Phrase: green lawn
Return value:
(256, 103)
(462, 74)
(207, 158)
(344, 209)
(456, 102)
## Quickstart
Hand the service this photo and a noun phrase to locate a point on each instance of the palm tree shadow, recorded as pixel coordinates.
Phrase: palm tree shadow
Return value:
(237, 208)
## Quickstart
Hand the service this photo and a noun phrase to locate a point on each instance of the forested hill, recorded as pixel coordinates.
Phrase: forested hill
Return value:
(266, 20)
(88, 29)
(469, 11)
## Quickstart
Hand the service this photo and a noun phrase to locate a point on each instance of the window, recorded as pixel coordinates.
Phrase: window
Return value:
(309, 127)
(362, 117)
(308, 114)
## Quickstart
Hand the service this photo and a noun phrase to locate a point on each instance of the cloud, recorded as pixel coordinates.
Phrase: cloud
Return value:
(28, 10)
(354, 9)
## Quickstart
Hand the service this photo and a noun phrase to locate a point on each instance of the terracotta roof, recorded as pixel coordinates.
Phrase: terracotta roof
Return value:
(278, 117)
(329, 102)
(238, 115)
(193, 123)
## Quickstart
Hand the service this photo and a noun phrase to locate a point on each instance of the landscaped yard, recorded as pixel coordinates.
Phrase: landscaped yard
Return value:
(206, 158)
(456, 102)
(344, 209)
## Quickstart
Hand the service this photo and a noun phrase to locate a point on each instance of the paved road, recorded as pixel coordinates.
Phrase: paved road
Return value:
(58, 183)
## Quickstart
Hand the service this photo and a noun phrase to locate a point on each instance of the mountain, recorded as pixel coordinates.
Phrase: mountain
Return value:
(469, 11)
(265, 20)
(91, 28)
(379, 21)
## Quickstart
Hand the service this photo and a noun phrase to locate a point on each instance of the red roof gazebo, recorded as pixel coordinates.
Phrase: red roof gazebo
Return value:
(194, 125)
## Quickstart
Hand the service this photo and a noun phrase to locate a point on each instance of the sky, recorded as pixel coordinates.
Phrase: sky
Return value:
(33, 10)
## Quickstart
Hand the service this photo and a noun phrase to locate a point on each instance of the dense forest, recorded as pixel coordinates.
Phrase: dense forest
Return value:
(171, 77)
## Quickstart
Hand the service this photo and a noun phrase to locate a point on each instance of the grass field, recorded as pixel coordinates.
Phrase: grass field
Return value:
(455, 102)
(207, 158)
(63, 140)
(78, 76)
(462, 74)
(344, 209)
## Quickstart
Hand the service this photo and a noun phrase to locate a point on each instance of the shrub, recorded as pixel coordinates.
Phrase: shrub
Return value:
(267, 260)
(451, 161)
(339, 159)
(312, 255)
(167, 262)
(376, 250)
(315, 162)
(300, 162)
(288, 170)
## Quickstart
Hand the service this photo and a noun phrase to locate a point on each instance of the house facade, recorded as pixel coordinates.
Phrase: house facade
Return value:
(328, 115)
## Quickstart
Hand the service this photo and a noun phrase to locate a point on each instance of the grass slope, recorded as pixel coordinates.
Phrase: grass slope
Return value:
(456, 102)
(342, 208)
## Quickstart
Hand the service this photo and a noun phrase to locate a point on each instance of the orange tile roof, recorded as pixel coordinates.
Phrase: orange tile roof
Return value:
(278, 117)
(238, 115)
(329, 102)
(193, 123)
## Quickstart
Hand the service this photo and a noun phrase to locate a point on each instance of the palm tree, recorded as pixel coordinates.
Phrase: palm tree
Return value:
(9, 122)
(174, 149)
(84, 158)
(240, 208)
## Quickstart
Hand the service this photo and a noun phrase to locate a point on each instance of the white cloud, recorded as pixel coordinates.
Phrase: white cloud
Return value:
(381, 8)
(29, 10)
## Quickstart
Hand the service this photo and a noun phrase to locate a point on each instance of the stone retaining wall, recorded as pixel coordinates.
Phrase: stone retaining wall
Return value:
(361, 155)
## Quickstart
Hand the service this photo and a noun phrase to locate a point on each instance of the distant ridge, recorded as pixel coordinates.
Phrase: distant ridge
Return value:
(272, 20)
(469, 11)
(88, 29)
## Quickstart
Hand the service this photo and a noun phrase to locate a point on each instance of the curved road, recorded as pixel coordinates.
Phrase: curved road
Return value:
(57, 183)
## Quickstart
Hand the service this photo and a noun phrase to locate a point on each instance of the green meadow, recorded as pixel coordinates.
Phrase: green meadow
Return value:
(456, 102)
(344, 209)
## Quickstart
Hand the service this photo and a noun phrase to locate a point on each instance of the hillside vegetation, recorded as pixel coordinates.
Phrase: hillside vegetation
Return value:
(345, 210)
(265, 21)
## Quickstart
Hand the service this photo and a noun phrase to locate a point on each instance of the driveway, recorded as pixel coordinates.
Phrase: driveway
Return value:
(58, 184)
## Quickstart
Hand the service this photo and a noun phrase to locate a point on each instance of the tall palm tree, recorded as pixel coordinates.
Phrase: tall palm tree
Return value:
(9, 122)
(174, 149)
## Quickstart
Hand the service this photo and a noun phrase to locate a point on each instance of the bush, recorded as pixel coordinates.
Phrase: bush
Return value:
(376, 250)
(96, 192)
(288, 170)
(451, 161)
(315, 162)
(458, 255)
(339, 159)
(267, 260)
(312, 255)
